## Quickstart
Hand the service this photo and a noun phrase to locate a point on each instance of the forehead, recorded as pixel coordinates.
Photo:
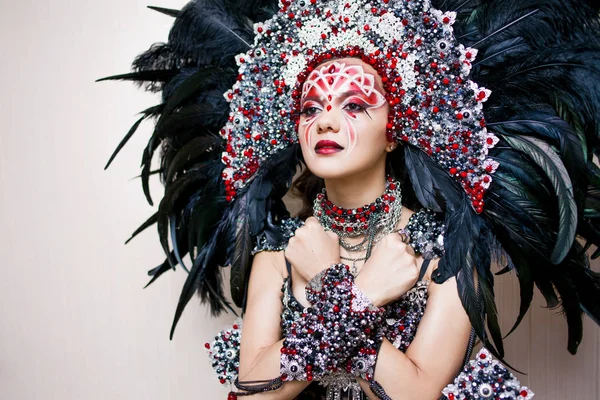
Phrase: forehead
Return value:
(349, 61)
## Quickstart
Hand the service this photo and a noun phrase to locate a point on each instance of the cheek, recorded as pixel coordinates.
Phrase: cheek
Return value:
(304, 140)
(304, 128)
(369, 135)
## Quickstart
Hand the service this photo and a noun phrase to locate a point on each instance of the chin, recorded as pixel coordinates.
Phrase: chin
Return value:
(333, 167)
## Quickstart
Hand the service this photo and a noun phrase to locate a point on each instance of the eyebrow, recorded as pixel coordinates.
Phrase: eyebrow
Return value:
(344, 96)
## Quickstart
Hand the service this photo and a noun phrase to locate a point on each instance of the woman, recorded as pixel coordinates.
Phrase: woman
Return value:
(337, 86)
(343, 141)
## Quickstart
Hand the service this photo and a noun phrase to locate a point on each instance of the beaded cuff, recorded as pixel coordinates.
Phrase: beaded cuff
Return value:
(486, 378)
(223, 352)
(337, 333)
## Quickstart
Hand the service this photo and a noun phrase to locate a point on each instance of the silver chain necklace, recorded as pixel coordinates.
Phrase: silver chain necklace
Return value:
(373, 221)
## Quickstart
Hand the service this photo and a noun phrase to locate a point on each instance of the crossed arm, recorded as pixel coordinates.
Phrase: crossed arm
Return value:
(430, 363)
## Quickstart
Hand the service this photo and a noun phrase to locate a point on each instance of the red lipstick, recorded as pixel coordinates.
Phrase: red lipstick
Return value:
(327, 147)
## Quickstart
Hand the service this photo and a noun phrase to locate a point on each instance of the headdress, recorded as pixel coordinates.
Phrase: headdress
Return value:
(231, 77)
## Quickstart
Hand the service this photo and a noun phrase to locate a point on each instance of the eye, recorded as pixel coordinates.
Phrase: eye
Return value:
(308, 111)
(442, 45)
(354, 107)
(230, 354)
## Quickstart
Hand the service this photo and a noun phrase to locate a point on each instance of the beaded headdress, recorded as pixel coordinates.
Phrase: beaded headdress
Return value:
(231, 78)
(432, 103)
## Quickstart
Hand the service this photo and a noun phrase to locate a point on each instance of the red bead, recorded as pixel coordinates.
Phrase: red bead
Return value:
(207, 345)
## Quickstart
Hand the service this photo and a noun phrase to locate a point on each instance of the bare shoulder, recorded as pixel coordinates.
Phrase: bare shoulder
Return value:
(273, 261)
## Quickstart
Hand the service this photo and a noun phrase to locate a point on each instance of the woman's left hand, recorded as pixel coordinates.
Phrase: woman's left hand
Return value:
(390, 272)
(312, 249)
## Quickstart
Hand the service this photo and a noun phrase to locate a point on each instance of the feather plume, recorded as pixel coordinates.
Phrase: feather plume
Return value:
(167, 11)
(545, 157)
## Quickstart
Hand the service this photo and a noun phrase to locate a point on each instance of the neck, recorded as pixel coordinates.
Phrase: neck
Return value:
(356, 190)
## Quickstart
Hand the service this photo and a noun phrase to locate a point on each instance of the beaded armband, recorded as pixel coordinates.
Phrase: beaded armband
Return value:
(337, 333)
(486, 378)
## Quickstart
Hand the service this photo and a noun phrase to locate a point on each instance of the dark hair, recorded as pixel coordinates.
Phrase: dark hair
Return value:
(307, 185)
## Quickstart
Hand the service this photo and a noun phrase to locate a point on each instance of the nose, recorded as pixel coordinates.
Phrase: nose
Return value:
(329, 120)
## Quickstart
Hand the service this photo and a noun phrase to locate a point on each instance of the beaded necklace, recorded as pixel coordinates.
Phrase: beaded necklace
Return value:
(372, 221)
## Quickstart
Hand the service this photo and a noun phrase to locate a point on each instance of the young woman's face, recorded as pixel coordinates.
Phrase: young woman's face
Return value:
(342, 128)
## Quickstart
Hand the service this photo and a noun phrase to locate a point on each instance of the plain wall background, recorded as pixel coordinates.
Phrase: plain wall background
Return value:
(75, 322)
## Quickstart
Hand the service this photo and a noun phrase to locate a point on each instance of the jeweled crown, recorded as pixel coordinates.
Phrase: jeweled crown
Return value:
(432, 103)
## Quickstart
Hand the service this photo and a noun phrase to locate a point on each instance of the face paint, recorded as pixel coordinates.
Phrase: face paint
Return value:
(338, 81)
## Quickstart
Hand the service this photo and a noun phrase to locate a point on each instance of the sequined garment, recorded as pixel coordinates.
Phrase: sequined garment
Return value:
(402, 316)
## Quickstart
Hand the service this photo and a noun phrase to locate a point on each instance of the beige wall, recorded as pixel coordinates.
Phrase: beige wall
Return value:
(75, 322)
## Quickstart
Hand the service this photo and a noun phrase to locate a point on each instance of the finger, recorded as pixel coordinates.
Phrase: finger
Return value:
(331, 235)
(409, 249)
(394, 239)
(311, 221)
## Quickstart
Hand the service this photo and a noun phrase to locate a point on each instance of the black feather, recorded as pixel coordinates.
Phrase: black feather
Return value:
(124, 141)
(149, 222)
(167, 11)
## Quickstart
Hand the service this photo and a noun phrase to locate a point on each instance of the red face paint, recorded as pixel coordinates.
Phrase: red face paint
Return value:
(348, 84)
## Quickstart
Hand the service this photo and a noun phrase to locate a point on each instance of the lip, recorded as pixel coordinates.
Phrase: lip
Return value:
(327, 147)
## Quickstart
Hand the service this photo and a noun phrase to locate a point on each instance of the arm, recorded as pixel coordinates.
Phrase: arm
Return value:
(261, 343)
(436, 353)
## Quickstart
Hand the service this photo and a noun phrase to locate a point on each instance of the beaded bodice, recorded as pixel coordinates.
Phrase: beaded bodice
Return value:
(401, 320)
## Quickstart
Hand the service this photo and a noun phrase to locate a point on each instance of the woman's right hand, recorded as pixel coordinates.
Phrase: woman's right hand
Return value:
(390, 271)
(312, 249)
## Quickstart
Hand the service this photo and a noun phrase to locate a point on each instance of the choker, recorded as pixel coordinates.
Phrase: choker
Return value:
(353, 222)
(373, 221)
